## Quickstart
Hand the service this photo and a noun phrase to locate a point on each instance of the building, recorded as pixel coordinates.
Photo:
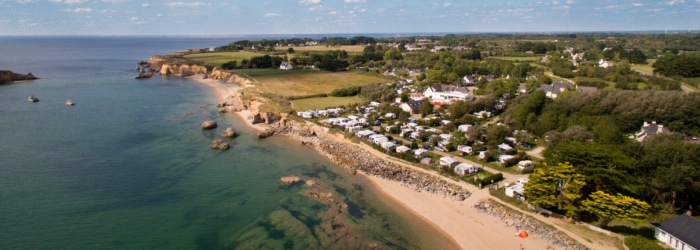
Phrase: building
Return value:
(465, 169)
(681, 232)
(650, 129)
(446, 93)
(526, 165)
(517, 189)
(553, 90)
(286, 66)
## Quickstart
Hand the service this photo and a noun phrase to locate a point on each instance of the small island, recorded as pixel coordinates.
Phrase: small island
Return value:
(7, 76)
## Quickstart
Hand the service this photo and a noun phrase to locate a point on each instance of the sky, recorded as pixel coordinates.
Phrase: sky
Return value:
(234, 17)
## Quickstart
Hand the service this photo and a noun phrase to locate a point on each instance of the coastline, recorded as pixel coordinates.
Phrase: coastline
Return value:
(456, 220)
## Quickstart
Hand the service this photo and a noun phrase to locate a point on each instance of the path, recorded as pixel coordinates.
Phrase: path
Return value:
(537, 152)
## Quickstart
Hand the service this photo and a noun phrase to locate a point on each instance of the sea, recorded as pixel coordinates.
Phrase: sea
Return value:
(128, 167)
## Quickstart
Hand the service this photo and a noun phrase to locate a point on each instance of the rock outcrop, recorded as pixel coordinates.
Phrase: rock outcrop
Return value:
(209, 125)
(289, 180)
(219, 144)
(229, 133)
(7, 76)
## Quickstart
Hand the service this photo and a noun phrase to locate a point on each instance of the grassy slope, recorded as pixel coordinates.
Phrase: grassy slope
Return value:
(308, 82)
(324, 102)
(645, 68)
(218, 58)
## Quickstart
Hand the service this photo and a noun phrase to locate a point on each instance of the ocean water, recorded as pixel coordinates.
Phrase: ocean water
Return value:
(127, 168)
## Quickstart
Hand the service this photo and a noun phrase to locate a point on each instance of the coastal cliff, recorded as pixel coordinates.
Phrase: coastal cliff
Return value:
(7, 76)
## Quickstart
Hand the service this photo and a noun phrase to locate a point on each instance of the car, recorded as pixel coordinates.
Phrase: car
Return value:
(525, 144)
(426, 147)
(441, 149)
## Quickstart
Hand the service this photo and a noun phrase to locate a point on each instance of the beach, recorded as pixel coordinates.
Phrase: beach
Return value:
(457, 220)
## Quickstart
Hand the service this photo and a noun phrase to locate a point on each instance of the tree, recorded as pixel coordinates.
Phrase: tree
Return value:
(392, 54)
(609, 207)
(556, 186)
(404, 97)
(425, 108)
(290, 50)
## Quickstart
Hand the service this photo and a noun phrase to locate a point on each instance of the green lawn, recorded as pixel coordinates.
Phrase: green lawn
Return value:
(695, 82)
(645, 68)
(324, 102)
(218, 58)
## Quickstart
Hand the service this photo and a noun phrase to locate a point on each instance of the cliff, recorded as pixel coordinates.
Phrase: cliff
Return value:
(7, 76)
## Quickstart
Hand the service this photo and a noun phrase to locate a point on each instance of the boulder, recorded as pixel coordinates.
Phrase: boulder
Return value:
(220, 144)
(289, 180)
(229, 132)
(209, 125)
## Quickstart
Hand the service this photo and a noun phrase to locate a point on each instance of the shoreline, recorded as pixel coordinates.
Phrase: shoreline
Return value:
(456, 220)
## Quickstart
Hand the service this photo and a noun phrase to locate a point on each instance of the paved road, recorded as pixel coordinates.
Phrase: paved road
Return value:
(687, 89)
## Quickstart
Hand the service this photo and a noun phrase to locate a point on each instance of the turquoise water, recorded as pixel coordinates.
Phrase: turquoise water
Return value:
(126, 168)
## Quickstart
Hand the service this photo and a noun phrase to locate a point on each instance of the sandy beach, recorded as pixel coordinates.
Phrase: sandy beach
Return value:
(456, 219)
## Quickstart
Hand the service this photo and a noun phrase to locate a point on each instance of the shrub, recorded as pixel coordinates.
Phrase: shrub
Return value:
(495, 178)
(640, 243)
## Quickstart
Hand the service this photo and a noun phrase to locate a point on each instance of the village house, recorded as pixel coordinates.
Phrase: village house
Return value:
(680, 232)
(464, 127)
(503, 159)
(420, 153)
(522, 88)
(412, 107)
(553, 90)
(584, 89)
(446, 93)
(649, 129)
(403, 149)
(517, 189)
(286, 66)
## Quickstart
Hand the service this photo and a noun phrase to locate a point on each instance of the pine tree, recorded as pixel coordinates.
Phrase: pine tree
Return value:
(609, 207)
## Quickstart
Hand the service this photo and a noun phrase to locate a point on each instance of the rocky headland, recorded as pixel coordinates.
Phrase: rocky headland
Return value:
(7, 76)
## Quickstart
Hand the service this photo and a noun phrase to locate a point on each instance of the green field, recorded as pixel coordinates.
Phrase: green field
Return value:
(309, 82)
(348, 48)
(695, 82)
(522, 59)
(645, 68)
(324, 102)
(218, 58)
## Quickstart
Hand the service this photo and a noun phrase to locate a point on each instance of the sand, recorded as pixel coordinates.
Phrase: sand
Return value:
(456, 219)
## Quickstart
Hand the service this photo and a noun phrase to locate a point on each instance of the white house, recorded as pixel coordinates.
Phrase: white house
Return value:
(553, 90)
(286, 66)
(604, 64)
(465, 169)
(681, 232)
(403, 149)
(446, 93)
(448, 161)
(650, 129)
(482, 114)
(525, 165)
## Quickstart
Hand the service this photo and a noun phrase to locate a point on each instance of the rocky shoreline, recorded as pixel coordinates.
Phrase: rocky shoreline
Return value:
(533, 227)
(7, 76)
(353, 158)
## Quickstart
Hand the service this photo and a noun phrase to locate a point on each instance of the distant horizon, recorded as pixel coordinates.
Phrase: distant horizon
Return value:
(398, 34)
(219, 17)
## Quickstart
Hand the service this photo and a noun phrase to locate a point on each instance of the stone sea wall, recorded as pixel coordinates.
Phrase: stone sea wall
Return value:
(533, 227)
(353, 158)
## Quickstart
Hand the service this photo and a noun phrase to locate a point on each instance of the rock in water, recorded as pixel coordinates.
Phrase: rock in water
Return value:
(209, 125)
(229, 133)
(289, 180)
(220, 144)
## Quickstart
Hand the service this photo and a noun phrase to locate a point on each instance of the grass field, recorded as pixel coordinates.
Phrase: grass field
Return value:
(218, 58)
(515, 58)
(308, 82)
(324, 102)
(348, 48)
(695, 82)
(645, 68)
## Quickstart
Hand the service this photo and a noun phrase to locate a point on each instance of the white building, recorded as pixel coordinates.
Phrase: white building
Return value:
(526, 165)
(446, 93)
(681, 232)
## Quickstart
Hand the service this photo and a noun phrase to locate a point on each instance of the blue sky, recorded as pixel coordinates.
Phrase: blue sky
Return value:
(176, 17)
